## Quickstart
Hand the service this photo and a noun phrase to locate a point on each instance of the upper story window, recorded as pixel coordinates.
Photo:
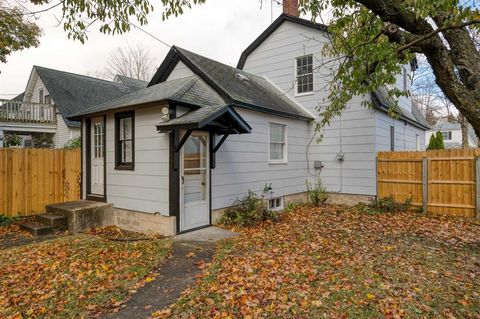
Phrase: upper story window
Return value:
(447, 135)
(40, 96)
(125, 140)
(278, 143)
(304, 74)
(48, 99)
(405, 79)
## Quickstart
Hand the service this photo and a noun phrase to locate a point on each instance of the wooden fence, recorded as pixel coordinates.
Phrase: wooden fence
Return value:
(33, 178)
(442, 182)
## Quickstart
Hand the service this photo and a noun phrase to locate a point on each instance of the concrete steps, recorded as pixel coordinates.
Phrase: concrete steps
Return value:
(75, 217)
(45, 224)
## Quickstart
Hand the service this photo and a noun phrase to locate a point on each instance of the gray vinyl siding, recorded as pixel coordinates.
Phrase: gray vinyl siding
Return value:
(354, 133)
(242, 162)
(405, 139)
(146, 188)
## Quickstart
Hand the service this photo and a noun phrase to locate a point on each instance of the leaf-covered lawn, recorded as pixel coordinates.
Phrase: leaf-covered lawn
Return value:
(335, 262)
(73, 276)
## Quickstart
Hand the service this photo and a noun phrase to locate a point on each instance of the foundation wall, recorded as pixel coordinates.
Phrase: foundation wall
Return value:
(141, 222)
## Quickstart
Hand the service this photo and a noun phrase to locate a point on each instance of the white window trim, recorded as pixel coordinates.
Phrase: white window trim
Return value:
(277, 208)
(285, 149)
(295, 77)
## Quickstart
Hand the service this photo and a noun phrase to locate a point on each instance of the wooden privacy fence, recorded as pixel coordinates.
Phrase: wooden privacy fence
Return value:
(33, 178)
(442, 182)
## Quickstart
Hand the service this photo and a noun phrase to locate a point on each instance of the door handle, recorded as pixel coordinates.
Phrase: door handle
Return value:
(183, 180)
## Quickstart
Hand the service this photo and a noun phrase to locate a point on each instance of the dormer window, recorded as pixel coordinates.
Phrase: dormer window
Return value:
(304, 74)
(40, 96)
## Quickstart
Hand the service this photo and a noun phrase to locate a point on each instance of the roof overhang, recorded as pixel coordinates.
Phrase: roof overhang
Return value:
(218, 119)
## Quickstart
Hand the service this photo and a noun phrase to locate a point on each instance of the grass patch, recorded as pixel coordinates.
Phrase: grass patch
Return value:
(339, 262)
(74, 276)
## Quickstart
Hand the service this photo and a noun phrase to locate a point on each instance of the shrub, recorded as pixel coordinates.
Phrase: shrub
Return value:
(317, 193)
(436, 142)
(248, 211)
(4, 220)
(12, 140)
(440, 144)
(75, 142)
(385, 205)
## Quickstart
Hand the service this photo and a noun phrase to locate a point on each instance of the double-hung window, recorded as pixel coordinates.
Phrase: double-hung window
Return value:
(278, 143)
(304, 74)
(125, 140)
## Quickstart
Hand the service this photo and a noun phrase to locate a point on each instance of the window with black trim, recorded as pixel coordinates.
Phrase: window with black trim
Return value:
(125, 140)
(304, 69)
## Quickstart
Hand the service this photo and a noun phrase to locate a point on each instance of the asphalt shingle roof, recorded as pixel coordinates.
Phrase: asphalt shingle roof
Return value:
(73, 93)
(383, 102)
(191, 90)
(131, 82)
(238, 87)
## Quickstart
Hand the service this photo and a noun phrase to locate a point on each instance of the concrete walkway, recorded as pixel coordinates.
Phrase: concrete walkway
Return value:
(189, 251)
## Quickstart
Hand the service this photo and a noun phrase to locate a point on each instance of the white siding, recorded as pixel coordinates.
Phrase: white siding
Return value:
(64, 133)
(180, 71)
(354, 133)
(146, 188)
(242, 162)
(405, 134)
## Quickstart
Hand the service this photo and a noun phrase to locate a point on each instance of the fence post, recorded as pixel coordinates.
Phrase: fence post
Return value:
(425, 184)
(477, 186)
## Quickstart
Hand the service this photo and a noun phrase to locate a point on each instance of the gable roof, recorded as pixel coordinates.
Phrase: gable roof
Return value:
(236, 87)
(130, 82)
(271, 28)
(191, 91)
(74, 92)
(383, 102)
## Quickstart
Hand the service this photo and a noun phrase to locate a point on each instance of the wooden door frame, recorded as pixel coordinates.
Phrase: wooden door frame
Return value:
(88, 161)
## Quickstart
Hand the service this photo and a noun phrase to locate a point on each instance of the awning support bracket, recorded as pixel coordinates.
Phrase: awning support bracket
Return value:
(178, 147)
(224, 137)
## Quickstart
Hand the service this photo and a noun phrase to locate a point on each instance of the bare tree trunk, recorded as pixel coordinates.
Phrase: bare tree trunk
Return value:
(464, 126)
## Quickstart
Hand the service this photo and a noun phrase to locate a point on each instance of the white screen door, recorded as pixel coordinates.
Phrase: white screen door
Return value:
(194, 182)
(97, 132)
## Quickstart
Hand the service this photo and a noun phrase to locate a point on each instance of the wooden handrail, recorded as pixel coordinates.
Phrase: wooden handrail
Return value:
(26, 112)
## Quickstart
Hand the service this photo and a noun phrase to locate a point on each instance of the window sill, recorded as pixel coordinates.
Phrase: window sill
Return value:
(304, 94)
(123, 167)
(277, 163)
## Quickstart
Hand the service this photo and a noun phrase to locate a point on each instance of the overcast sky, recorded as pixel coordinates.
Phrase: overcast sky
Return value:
(219, 29)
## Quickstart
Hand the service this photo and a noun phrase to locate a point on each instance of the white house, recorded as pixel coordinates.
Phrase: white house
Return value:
(202, 134)
(40, 114)
(452, 135)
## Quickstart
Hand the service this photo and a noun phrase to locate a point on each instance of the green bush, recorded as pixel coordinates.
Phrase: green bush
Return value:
(248, 211)
(75, 142)
(4, 220)
(385, 205)
(12, 140)
(317, 193)
(436, 142)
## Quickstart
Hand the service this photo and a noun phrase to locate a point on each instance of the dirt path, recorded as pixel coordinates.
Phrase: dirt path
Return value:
(175, 275)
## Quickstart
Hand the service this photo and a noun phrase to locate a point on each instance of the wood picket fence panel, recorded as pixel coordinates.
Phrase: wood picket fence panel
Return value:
(443, 182)
(33, 178)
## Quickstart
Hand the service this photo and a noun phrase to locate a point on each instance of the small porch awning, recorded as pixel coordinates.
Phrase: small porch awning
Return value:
(219, 119)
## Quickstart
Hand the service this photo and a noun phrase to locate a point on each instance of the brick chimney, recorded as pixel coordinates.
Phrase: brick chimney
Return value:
(290, 7)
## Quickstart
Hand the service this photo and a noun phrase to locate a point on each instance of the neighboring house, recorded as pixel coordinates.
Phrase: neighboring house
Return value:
(173, 156)
(452, 135)
(40, 114)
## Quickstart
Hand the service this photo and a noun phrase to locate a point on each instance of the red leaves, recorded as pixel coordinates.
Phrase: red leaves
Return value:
(336, 262)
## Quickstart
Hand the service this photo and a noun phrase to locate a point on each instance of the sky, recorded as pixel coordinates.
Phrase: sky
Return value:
(218, 29)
